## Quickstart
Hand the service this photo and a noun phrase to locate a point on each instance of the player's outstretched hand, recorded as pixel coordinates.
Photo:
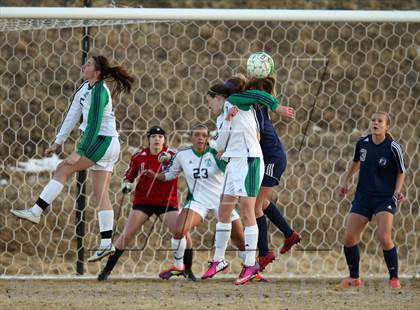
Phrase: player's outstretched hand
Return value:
(286, 112)
(399, 196)
(342, 191)
(54, 148)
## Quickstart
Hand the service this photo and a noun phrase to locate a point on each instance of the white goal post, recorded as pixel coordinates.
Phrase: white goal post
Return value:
(371, 61)
(151, 14)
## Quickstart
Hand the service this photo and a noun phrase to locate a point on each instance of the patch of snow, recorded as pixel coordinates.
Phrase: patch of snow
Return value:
(38, 165)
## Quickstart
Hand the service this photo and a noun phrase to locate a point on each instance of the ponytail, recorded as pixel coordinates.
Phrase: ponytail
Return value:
(118, 74)
(235, 84)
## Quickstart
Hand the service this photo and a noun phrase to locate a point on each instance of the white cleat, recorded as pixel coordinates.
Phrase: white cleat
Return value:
(101, 253)
(26, 215)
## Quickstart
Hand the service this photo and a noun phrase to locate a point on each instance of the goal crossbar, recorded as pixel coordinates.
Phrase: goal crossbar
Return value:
(209, 14)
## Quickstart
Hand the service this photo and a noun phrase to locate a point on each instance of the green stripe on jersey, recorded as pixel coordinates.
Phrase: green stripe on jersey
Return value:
(98, 100)
(246, 99)
(190, 196)
(252, 180)
(221, 164)
(99, 148)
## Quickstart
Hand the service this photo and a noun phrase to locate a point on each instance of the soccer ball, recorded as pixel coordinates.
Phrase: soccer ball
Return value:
(259, 65)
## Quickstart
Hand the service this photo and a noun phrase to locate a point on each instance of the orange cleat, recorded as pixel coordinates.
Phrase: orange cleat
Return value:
(349, 282)
(291, 241)
(263, 261)
(394, 283)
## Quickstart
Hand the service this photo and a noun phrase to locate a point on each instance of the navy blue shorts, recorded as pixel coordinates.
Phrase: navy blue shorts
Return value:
(368, 204)
(272, 173)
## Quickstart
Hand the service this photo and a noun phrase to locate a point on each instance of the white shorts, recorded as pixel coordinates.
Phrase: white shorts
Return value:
(202, 210)
(243, 176)
(110, 158)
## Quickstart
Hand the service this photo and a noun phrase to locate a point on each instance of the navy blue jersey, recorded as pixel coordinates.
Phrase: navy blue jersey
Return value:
(379, 165)
(272, 148)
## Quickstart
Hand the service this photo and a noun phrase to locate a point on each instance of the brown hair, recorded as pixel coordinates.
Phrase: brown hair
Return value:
(266, 84)
(388, 122)
(118, 74)
(199, 126)
(235, 84)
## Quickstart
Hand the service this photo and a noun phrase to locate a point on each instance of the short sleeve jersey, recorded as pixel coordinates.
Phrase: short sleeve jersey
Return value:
(379, 165)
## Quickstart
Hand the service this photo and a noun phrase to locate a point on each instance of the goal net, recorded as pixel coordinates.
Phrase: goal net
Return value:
(368, 66)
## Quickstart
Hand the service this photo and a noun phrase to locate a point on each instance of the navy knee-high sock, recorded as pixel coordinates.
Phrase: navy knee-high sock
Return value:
(278, 220)
(262, 236)
(391, 260)
(353, 258)
(188, 259)
(113, 259)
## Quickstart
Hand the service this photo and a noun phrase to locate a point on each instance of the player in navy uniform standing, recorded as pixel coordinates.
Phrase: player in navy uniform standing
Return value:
(381, 178)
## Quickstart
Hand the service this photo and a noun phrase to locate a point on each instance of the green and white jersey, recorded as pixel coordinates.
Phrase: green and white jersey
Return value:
(94, 104)
(238, 137)
(204, 174)
(97, 104)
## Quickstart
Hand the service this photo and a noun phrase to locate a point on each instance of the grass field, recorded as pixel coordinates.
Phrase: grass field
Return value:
(215, 293)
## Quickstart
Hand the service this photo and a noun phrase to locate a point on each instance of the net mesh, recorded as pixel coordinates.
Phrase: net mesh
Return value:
(371, 66)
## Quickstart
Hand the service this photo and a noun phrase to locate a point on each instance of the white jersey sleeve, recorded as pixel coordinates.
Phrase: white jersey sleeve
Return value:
(72, 115)
(223, 129)
(175, 169)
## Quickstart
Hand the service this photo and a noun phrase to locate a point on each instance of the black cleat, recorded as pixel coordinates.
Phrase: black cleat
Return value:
(189, 275)
(103, 276)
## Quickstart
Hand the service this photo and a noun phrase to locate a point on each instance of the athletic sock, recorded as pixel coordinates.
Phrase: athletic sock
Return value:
(391, 260)
(242, 255)
(353, 258)
(251, 240)
(262, 236)
(106, 221)
(278, 220)
(188, 259)
(113, 259)
(222, 237)
(47, 196)
(178, 249)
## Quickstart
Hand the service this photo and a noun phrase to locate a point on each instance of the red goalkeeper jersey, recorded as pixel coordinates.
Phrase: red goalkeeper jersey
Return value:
(150, 191)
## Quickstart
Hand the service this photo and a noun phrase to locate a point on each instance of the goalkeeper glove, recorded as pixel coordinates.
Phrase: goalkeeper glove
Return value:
(164, 157)
(126, 187)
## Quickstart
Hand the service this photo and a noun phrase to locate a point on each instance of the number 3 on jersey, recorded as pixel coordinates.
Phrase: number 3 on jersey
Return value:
(203, 174)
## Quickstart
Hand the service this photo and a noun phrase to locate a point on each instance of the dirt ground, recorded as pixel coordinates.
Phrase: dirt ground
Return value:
(214, 293)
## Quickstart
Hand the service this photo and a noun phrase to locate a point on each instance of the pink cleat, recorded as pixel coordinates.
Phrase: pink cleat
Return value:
(247, 274)
(214, 267)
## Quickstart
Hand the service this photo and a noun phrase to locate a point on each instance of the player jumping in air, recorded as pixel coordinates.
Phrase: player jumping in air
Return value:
(381, 177)
(98, 149)
(275, 161)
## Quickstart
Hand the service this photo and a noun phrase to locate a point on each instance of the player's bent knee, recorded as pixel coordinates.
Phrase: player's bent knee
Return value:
(62, 172)
(124, 239)
(350, 240)
(385, 241)
(179, 233)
